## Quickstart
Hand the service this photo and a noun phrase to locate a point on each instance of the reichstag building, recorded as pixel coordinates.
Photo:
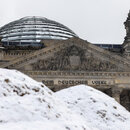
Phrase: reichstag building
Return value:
(53, 54)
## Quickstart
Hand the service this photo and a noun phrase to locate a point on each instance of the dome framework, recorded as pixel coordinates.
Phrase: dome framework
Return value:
(33, 30)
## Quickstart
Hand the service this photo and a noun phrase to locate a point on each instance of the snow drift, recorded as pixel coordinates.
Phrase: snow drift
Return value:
(102, 111)
(27, 104)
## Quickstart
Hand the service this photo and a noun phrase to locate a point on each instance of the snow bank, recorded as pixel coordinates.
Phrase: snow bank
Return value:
(13, 82)
(102, 111)
(28, 105)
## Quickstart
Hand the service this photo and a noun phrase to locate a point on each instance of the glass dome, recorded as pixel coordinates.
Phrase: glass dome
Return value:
(34, 29)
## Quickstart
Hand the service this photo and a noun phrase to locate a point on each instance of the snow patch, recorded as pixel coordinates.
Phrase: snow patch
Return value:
(26, 104)
(102, 111)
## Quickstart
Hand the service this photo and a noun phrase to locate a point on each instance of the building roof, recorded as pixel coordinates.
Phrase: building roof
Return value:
(34, 29)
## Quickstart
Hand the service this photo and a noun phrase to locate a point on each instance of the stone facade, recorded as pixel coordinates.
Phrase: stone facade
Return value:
(64, 63)
(72, 62)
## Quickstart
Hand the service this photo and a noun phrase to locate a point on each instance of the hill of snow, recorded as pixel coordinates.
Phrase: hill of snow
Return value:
(96, 107)
(29, 105)
(26, 104)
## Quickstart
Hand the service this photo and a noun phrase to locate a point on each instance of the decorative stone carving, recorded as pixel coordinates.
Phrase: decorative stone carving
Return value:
(73, 58)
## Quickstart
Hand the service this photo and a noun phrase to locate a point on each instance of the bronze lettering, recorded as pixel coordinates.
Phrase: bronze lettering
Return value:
(99, 82)
(48, 82)
(72, 82)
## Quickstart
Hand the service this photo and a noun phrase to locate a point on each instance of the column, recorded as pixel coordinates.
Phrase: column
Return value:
(1, 54)
(116, 92)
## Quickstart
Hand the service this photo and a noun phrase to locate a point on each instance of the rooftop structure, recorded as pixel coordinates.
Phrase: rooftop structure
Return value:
(31, 30)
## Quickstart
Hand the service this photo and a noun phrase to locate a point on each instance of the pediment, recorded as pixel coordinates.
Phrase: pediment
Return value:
(80, 55)
(72, 54)
(74, 58)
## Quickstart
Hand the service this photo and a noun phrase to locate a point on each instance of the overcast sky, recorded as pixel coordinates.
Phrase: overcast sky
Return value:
(98, 21)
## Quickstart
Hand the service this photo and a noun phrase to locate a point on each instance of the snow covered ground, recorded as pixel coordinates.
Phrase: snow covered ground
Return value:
(26, 104)
(95, 107)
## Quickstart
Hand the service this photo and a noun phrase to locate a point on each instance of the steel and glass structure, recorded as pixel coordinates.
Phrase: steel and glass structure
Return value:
(31, 30)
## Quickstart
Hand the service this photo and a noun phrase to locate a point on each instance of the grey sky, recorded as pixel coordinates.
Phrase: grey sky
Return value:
(98, 21)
